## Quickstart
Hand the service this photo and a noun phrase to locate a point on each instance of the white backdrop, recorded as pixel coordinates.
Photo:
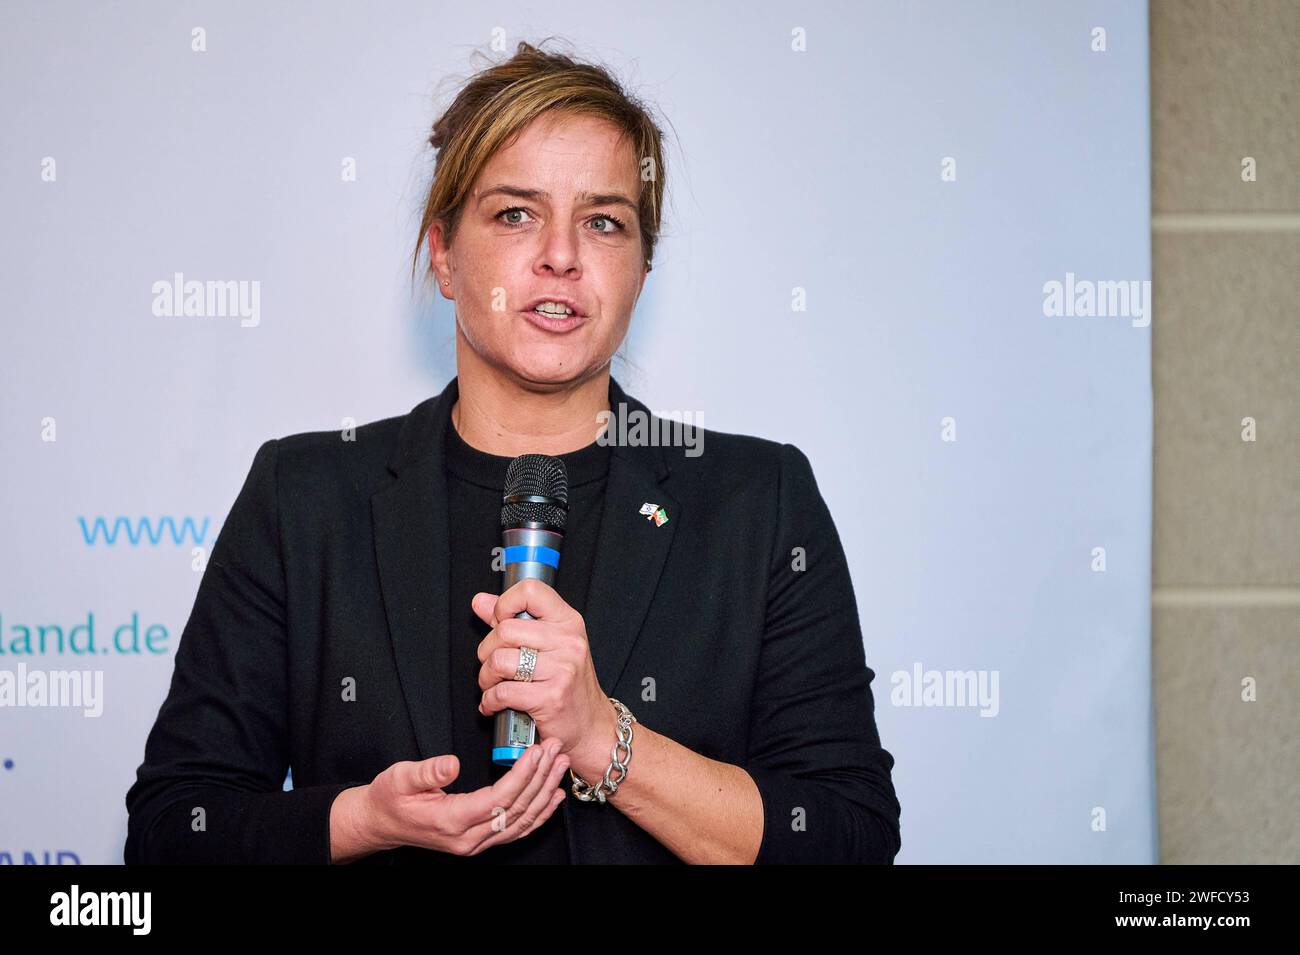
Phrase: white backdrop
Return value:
(914, 176)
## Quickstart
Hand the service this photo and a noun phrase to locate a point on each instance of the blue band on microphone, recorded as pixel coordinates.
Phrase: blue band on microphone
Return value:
(506, 755)
(538, 554)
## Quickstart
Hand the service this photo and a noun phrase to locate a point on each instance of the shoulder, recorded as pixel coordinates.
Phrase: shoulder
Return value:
(345, 459)
(732, 464)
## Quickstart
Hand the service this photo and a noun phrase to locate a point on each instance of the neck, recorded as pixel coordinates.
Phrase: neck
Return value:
(508, 417)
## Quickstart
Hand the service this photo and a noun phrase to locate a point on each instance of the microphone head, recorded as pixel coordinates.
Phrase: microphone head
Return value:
(537, 490)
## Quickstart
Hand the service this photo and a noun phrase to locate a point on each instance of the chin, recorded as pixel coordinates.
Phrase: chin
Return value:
(549, 370)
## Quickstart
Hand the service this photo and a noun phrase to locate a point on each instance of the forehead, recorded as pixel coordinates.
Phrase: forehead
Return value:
(559, 150)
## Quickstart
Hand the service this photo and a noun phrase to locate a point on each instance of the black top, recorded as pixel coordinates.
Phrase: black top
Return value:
(475, 482)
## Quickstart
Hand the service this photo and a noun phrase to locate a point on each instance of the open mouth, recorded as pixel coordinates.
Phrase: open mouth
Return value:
(554, 317)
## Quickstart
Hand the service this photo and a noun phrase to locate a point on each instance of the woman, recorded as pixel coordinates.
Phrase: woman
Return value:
(703, 616)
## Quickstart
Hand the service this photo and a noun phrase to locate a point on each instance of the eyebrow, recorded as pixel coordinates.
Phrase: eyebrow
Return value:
(590, 198)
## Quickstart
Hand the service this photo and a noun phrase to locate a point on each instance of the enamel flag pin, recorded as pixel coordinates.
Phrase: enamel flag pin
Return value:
(654, 512)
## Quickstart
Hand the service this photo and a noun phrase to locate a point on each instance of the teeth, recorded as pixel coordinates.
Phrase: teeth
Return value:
(553, 308)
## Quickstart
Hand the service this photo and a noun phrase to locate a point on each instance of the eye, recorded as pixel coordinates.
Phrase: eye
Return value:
(511, 222)
(619, 224)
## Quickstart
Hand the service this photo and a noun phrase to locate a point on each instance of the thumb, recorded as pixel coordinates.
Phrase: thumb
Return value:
(442, 770)
(483, 605)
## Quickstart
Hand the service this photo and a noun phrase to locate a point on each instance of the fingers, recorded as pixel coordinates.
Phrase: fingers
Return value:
(543, 806)
(532, 806)
(518, 799)
(546, 801)
(534, 698)
(541, 601)
(519, 632)
(503, 663)
(468, 810)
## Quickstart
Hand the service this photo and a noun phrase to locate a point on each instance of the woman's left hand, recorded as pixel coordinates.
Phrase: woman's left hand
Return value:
(564, 697)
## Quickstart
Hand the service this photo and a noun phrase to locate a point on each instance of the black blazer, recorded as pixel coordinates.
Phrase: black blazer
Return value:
(332, 564)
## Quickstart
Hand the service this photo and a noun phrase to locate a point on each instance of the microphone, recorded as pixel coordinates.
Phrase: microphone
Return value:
(533, 511)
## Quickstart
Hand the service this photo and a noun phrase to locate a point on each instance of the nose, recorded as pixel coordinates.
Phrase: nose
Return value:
(559, 252)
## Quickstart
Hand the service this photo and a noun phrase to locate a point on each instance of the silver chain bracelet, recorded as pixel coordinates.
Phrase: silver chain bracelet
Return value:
(609, 785)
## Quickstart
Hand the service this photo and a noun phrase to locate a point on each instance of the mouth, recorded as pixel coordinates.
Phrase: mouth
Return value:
(555, 314)
(553, 323)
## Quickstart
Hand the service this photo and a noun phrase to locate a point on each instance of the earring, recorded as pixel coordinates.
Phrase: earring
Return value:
(445, 282)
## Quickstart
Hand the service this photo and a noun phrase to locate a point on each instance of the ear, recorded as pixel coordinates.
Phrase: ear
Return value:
(440, 259)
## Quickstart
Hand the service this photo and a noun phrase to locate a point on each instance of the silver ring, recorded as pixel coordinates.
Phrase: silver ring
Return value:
(527, 664)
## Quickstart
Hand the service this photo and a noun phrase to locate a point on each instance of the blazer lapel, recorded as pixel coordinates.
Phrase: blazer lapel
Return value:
(411, 545)
(631, 548)
(631, 551)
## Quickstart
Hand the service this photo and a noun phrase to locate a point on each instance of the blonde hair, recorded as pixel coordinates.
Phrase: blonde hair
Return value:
(498, 102)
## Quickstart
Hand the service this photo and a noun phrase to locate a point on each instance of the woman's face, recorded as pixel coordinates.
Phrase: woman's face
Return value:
(553, 216)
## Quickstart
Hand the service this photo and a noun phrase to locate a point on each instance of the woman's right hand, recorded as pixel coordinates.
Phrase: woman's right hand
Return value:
(405, 806)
